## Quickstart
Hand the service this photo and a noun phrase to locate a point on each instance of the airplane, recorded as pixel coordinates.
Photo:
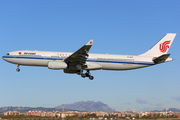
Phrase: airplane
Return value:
(82, 60)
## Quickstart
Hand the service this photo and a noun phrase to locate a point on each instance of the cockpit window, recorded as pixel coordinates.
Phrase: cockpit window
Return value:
(7, 54)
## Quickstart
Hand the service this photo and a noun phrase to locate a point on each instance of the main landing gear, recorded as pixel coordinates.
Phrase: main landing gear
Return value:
(18, 69)
(87, 74)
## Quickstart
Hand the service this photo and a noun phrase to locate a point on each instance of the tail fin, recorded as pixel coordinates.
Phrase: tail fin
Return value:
(161, 47)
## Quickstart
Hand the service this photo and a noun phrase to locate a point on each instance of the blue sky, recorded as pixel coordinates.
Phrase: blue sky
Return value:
(117, 27)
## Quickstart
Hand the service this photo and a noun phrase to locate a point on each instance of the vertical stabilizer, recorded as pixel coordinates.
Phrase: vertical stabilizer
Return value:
(161, 47)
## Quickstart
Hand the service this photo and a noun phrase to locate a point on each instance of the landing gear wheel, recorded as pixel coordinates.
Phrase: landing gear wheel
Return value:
(17, 69)
(78, 72)
(83, 75)
(91, 77)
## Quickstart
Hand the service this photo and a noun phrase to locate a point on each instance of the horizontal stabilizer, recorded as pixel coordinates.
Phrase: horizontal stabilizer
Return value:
(161, 58)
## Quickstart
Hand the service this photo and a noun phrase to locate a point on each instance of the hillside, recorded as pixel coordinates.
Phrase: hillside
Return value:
(25, 109)
(89, 106)
(170, 109)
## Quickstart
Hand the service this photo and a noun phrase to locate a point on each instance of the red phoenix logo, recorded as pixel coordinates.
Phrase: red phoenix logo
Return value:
(164, 46)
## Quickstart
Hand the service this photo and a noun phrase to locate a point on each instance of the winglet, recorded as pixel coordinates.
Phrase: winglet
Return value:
(90, 42)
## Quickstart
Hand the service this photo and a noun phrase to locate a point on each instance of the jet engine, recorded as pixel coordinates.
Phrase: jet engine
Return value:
(56, 65)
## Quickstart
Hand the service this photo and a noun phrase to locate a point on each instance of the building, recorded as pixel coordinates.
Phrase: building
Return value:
(12, 113)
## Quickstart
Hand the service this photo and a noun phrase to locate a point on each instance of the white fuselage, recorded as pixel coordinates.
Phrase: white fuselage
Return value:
(81, 59)
(106, 61)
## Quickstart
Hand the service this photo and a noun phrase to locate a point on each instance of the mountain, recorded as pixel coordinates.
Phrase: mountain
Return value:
(170, 109)
(26, 109)
(174, 110)
(89, 106)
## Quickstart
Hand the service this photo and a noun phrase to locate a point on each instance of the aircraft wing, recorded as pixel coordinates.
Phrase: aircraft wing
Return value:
(80, 56)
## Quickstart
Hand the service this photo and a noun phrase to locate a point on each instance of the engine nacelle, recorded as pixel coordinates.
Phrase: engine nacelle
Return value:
(56, 65)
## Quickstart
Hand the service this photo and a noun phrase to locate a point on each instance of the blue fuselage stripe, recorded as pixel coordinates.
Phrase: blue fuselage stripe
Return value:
(88, 60)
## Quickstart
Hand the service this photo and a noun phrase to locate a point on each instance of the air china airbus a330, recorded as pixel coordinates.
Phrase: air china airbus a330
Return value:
(82, 60)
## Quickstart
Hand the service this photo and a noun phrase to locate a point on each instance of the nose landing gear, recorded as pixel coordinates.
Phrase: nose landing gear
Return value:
(18, 69)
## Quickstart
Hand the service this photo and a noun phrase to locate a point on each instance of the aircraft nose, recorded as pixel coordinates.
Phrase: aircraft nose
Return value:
(3, 57)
